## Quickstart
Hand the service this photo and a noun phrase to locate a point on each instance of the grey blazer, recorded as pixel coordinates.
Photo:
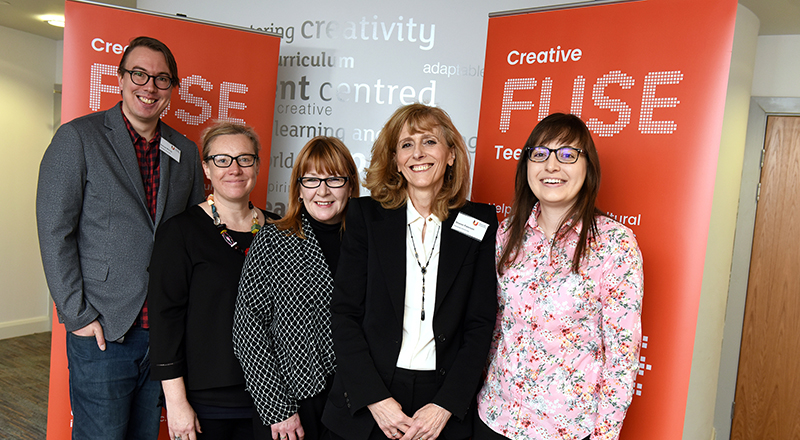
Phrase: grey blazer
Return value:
(95, 231)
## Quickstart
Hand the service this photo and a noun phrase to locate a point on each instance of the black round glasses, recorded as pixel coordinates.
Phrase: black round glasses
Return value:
(140, 78)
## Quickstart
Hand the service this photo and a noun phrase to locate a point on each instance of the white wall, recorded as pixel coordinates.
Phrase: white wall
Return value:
(699, 416)
(775, 89)
(27, 74)
(777, 69)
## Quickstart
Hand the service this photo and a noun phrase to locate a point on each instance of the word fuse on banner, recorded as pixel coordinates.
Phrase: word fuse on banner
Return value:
(97, 88)
(649, 100)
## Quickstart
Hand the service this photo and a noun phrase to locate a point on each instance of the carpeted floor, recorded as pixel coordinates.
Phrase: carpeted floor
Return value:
(24, 375)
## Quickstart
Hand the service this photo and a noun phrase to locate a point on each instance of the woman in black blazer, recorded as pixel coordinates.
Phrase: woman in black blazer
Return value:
(414, 301)
(281, 331)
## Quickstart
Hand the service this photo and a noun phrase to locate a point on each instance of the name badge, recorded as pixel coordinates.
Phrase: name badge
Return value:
(170, 150)
(470, 226)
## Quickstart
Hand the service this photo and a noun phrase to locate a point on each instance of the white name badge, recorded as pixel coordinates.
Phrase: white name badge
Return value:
(470, 226)
(170, 150)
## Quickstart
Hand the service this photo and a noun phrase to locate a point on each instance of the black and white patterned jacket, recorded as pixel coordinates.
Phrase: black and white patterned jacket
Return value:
(282, 325)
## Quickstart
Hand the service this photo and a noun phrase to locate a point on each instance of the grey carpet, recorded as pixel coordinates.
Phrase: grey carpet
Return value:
(24, 375)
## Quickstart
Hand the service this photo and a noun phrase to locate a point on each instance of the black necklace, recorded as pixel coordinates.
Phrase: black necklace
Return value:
(423, 269)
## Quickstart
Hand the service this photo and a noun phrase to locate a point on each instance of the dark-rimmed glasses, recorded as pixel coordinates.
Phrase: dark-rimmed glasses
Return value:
(140, 78)
(563, 154)
(226, 160)
(315, 182)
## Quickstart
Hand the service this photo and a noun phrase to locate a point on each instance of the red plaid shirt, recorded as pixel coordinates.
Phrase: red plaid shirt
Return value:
(150, 167)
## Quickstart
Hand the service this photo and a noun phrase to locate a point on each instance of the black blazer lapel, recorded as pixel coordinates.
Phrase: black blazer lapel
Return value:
(455, 247)
(390, 241)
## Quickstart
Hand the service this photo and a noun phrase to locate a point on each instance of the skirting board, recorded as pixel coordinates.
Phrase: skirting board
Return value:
(22, 327)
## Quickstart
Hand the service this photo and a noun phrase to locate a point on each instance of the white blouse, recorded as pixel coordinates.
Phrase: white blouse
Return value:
(418, 350)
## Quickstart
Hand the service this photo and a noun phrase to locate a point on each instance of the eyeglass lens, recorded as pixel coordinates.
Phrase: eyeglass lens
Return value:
(224, 160)
(563, 154)
(140, 78)
(315, 182)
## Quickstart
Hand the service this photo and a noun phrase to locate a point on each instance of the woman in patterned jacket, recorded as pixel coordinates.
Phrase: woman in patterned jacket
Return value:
(565, 350)
(281, 331)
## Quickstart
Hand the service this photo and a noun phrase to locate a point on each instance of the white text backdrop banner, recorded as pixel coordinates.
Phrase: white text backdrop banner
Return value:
(377, 56)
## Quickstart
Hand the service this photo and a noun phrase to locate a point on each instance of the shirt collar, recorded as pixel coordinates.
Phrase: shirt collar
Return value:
(533, 221)
(135, 136)
(413, 216)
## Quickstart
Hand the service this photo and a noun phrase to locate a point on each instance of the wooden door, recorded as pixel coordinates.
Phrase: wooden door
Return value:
(767, 402)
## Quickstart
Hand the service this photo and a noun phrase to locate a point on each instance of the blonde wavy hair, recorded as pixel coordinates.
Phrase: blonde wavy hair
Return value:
(389, 187)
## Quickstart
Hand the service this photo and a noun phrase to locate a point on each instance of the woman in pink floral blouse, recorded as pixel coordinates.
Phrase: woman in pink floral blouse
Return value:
(565, 351)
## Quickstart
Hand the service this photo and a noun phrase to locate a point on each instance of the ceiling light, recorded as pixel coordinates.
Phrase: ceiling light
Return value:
(53, 20)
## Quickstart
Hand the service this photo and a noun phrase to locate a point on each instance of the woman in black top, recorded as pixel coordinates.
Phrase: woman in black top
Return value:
(194, 275)
(281, 332)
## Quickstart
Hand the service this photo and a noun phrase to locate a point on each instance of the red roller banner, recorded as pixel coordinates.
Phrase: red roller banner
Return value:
(649, 79)
(226, 72)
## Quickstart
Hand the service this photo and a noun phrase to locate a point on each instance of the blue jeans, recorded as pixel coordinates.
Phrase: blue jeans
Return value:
(111, 392)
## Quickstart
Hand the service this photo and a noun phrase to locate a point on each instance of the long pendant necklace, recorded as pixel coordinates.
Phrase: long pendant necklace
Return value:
(223, 229)
(423, 269)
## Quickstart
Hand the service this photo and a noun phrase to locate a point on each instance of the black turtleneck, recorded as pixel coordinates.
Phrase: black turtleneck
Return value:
(330, 240)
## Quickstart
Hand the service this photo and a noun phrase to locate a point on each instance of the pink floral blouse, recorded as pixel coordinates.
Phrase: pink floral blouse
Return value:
(565, 351)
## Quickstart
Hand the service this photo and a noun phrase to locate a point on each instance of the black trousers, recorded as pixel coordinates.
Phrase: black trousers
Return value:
(412, 390)
(310, 413)
(226, 429)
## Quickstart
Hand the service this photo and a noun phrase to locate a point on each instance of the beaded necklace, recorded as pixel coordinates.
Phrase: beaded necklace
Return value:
(423, 269)
(223, 229)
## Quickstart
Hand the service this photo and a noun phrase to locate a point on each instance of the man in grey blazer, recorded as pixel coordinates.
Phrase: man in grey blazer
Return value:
(106, 182)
